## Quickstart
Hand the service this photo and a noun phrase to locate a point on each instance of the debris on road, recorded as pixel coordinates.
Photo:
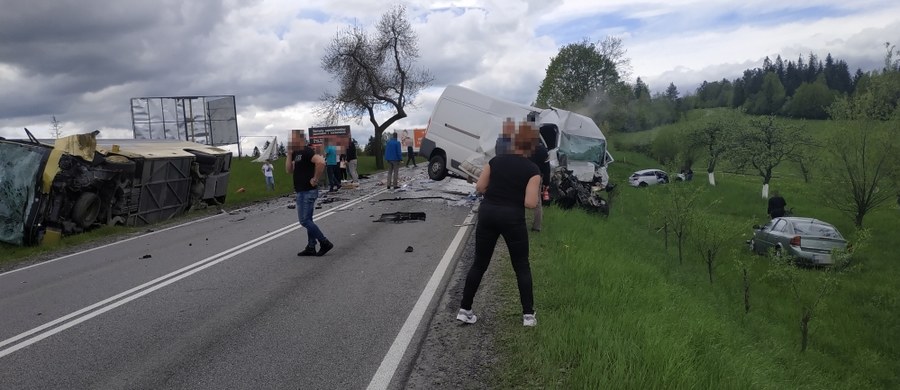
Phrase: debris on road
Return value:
(399, 217)
(409, 249)
(146, 257)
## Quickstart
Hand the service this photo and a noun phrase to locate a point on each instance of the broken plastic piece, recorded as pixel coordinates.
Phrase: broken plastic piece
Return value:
(401, 217)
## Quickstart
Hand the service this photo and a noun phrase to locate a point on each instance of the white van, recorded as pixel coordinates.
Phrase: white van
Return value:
(464, 127)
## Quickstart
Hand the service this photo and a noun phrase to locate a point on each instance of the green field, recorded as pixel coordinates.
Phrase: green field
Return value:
(616, 309)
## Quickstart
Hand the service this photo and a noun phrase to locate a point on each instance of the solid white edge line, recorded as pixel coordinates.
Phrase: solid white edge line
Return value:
(191, 269)
(388, 366)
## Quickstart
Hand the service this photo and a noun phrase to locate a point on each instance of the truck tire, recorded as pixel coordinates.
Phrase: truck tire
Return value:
(437, 168)
(86, 209)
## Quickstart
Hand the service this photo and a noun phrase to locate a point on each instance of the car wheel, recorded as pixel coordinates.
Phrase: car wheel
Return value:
(643, 184)
(86, 209)
(437, 168)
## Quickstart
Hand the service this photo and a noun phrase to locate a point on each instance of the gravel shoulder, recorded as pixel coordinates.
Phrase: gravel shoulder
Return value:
(453, 355)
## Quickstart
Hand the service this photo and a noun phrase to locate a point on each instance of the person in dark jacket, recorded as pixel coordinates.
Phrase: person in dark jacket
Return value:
(510, 184)
(776, 205)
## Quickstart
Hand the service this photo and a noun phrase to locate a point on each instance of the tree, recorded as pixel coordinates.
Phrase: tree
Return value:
(577, 76)
(373, 147)
(861, 158)
(764, 144)
(55, 128)
(770, 97)
(376, 72)
(611, 47)
(677, 211)
(282, 151)
(709, 236)
(672, 92)
(809, 291)
(811, 100)
(256, 152)
(713, 137)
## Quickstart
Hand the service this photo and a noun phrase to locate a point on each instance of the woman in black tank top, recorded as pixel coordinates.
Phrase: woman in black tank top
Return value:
(510, 184)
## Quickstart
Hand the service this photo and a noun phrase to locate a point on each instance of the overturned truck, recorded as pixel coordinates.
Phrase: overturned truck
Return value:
(67, 186)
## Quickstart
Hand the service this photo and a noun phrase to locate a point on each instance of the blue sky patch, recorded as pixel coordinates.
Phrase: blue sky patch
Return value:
(594, 27)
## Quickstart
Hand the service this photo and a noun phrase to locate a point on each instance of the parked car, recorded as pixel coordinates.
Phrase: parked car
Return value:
(648, 177)
(807, 239)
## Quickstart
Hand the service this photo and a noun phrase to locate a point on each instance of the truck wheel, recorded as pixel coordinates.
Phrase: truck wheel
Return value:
(86, 209)
(437, 168)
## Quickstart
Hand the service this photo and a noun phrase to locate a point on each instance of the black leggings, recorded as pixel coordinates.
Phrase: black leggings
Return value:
(495, 221)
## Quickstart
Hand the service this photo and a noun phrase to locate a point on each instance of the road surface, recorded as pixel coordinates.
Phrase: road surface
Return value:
(224, 302)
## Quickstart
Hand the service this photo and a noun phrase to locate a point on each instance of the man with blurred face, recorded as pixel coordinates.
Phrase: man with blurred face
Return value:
(306, 166)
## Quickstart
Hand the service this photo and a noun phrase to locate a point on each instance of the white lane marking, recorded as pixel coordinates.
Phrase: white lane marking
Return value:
(120, 299)
(391, 361)
(114, 243)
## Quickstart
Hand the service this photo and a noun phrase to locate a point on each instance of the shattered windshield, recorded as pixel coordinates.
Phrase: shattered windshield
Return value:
(579, 148)
(20, 167)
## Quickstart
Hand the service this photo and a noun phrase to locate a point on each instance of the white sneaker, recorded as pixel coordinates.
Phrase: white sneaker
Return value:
(529, 320)
(467, 316)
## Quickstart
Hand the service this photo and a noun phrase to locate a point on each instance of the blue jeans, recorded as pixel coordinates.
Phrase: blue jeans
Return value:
(270, 183)
(306, 203)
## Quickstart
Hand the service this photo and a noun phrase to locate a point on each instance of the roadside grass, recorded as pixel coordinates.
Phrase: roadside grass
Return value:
(615, 309)
(245, 174)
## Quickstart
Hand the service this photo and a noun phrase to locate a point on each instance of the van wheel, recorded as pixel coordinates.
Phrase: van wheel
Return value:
(86, 209)
(437, 168)
(643, 184)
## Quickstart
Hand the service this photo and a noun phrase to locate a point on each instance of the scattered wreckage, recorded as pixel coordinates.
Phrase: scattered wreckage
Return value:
(53, 188)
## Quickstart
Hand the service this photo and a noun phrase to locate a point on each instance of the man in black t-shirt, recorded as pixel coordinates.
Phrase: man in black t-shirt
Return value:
(776, 205)
(306, 167)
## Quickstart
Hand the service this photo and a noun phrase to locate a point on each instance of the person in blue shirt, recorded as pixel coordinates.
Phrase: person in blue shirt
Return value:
(332, 167)
(393, 154)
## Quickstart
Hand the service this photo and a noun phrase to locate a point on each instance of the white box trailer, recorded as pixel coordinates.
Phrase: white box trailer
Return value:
(465, 124)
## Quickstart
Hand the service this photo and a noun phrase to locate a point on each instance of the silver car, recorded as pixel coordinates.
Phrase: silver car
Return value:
(809, 240)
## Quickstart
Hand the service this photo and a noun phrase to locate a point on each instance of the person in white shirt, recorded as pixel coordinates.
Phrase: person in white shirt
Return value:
(270, 175)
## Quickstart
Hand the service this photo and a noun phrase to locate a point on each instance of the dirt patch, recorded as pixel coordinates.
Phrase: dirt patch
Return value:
(455, 355)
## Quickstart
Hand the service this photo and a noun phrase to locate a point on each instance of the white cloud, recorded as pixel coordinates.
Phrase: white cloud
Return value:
(85, 67)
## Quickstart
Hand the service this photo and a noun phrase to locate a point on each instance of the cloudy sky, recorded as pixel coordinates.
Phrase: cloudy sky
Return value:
(82, 60)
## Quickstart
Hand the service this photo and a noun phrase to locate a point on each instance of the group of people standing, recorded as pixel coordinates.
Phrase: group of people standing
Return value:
(511, 182)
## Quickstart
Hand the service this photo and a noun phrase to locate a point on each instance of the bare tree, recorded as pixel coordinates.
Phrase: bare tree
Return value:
(861, 157)
(764, 144)
(55, 128)
(611, 47)
(709, 236)
(376, 72)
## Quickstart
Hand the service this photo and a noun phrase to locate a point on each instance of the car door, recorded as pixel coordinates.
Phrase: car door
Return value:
(778, 235)
(764, 238)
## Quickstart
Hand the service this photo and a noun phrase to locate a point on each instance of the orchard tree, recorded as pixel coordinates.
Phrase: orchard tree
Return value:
(713, 137)
(376, 73)
(862, 157)
(764, 144)
(577, 76)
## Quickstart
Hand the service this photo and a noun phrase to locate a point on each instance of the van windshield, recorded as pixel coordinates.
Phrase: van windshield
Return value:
(580, 148)
(18, 184)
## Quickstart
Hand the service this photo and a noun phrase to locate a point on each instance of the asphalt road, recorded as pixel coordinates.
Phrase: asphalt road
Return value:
(224, 302)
